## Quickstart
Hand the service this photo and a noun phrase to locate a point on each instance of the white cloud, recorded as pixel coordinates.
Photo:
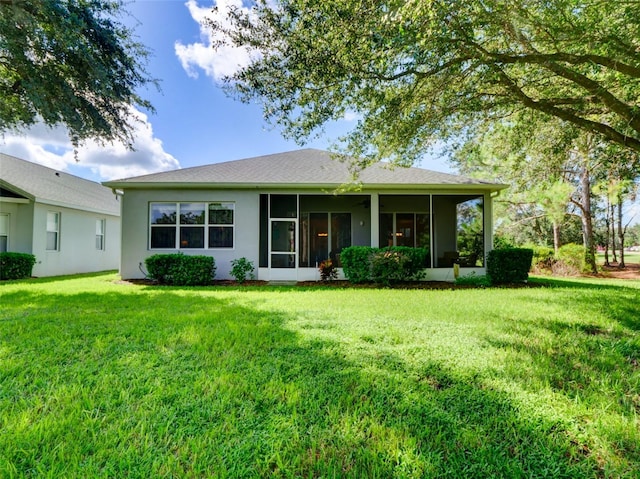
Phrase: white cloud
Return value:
(51, 147)
(201, 55)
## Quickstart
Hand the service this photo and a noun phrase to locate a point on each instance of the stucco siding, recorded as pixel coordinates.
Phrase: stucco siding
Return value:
(77, 251)
(20, 226)
(135, 227)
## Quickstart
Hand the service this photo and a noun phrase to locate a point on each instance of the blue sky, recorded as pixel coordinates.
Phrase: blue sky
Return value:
(195, 123)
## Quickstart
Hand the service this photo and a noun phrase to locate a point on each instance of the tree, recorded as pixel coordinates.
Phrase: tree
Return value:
(70, 62)
(418, 70)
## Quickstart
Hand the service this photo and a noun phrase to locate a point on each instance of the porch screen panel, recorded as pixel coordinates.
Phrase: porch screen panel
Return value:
(314, 238)
(405, 230)
(340, 235)
(284, 206)
(386, 229)
(264, 231)
(283, 244)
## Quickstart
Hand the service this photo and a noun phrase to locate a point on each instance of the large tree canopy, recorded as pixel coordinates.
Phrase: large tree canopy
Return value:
(70, 62)
(419, 70)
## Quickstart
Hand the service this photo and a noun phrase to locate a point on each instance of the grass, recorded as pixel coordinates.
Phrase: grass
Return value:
(104, 379)
(630, 257)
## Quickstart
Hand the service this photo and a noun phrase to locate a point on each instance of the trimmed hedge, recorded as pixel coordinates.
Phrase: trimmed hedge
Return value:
(383, 265)
(16, 265)
(181, 270)
(509, 265)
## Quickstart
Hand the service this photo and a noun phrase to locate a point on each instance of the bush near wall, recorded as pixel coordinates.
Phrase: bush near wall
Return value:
(383, 265)
(16, 265)
(509, 265)
(181, 270)
(356, 264)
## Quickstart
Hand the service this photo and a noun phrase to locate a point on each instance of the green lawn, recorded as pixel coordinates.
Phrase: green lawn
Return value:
(629, 257)
(104, 379)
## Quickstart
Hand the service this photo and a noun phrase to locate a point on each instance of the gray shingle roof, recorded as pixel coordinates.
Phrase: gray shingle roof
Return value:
(46, 185)
(303, 168)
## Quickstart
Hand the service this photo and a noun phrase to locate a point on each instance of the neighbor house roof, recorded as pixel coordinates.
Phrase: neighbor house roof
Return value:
(53, 187)
(301, 168)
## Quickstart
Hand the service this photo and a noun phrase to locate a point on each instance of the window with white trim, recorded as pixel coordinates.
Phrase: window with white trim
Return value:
(4, 232)
(100, 234)
(192, 225)
(53, 231)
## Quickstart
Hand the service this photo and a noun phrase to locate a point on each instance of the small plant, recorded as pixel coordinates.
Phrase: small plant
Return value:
(328, 270)
(242, 268)
(16, 265)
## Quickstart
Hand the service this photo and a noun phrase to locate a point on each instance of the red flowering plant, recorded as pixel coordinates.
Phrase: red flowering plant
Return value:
(328, 270)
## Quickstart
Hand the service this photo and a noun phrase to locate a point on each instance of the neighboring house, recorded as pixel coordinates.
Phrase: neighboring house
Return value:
(283, 213)
(70, 224)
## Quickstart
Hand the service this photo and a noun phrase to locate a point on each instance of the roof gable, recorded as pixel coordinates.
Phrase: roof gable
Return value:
(46, 185)
(303, 168)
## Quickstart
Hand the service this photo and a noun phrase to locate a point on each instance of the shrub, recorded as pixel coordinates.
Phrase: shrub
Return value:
(383, 265)
(509, 265)
(543, 258)
(328, 270)
(570, 259)
(397, 263)
(181, 270)
(356, 263)
(16, 265)
(242, 268)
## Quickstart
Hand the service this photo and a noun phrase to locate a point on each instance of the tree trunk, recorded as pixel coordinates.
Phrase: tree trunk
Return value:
(587, 221)
(621, 231)
(556, 237)
(612, 220)
(607, 235)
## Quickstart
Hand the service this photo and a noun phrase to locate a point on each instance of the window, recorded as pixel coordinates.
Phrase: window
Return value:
(221, 225)
(192, 225)
(53, 231)
(4, 233)
(100, 235)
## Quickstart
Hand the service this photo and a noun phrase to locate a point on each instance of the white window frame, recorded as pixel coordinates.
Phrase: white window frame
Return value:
(4, 231)
(55, 231)
(177, 204)
(100, 234)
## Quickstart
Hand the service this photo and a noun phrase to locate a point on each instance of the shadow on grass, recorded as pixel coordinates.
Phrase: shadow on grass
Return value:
(113, 385)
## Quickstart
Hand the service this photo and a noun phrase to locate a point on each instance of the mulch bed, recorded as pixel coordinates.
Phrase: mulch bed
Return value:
(630, 271)
(343, 284)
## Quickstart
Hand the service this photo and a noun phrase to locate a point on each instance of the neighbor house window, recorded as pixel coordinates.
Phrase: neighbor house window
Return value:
(53, 231)
(100, 234)
(4, 233)
(192, 225)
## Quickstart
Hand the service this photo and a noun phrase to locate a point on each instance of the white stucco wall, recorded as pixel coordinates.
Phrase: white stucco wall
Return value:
(20, 239)
(135, 227)
(77, 251)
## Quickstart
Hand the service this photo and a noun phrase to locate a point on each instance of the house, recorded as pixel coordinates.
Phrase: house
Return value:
(282, 213)
(70, 224)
